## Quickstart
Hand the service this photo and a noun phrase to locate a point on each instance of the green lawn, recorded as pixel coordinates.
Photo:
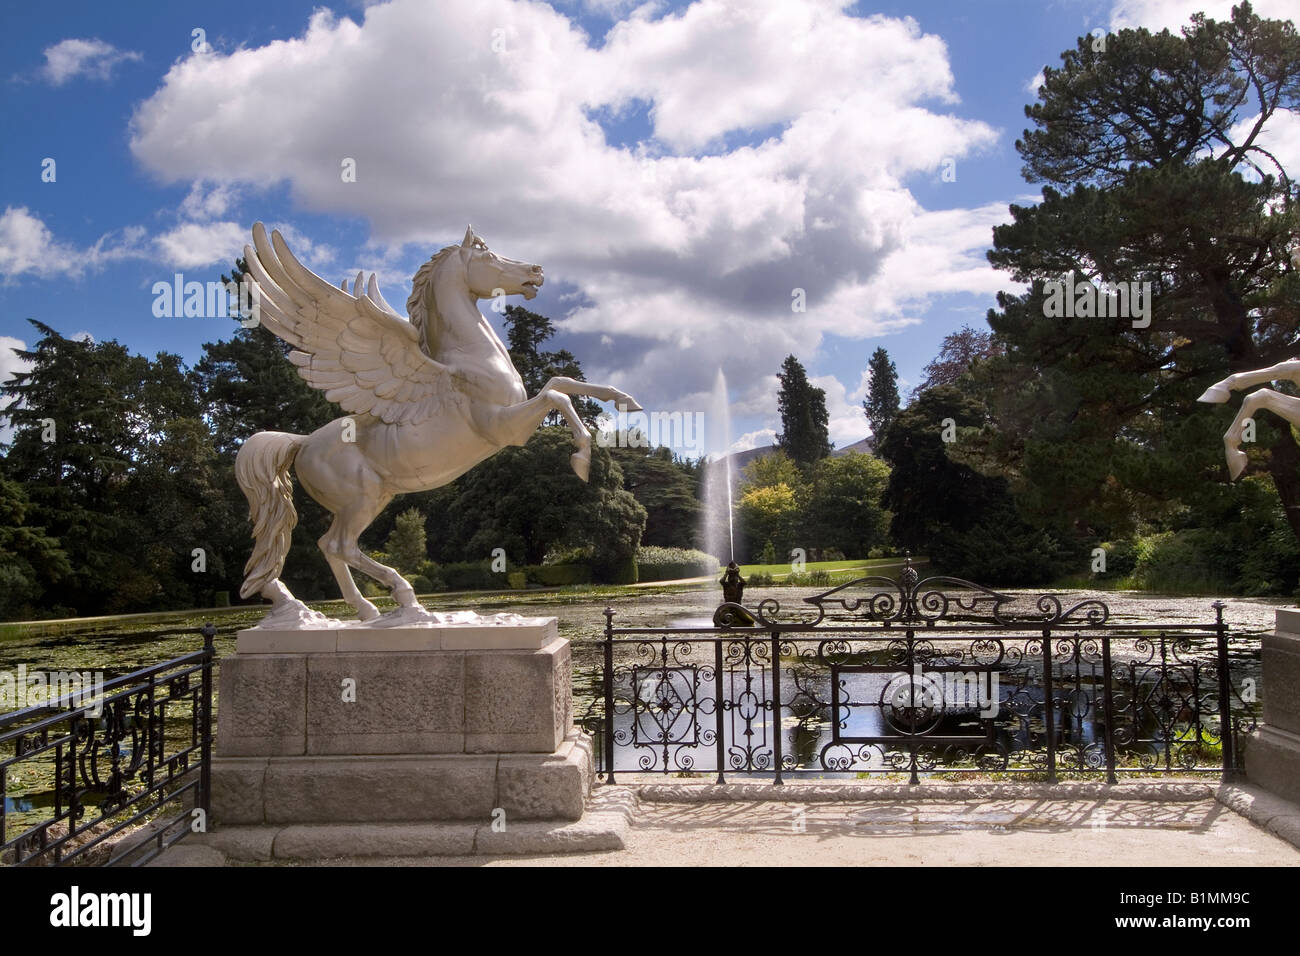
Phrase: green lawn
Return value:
(841, 571)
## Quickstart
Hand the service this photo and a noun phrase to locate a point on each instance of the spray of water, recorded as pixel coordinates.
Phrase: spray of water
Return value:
(718, 480)
(731, 520)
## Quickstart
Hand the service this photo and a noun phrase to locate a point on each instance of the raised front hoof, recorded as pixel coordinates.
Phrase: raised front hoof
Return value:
(581, 462)
(1236, 463)
(1215, 394)
(626, 403)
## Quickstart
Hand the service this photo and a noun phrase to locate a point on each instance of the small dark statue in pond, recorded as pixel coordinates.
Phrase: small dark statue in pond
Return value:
(733, 585)
(732, 613)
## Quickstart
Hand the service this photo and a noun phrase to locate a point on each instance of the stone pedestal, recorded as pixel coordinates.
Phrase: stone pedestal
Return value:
(1273, 754)
(399, 725)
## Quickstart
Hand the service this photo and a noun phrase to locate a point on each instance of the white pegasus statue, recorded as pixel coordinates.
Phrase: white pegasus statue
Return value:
(426, 400)
(1284, 406)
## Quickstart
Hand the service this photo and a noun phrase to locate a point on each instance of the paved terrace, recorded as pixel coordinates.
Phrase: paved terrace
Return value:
(1138, 823)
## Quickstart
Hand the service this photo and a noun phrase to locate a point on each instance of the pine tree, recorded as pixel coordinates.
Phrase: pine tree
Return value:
(805, 423)
(881, 404)
(1152, 173)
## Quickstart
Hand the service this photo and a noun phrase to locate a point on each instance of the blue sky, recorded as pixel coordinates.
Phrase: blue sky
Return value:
(678, 169)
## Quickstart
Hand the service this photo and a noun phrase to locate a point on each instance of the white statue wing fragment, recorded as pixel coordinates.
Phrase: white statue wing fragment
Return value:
(353, 346)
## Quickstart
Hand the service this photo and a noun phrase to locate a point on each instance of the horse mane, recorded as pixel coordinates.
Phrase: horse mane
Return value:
(421, 307)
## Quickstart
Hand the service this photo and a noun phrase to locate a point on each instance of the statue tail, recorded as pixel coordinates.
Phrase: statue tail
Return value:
(262, 470)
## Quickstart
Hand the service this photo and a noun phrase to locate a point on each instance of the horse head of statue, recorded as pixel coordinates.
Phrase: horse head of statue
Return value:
(446, 289)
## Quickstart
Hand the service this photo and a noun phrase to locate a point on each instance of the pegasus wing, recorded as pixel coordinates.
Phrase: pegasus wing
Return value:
(352, 346)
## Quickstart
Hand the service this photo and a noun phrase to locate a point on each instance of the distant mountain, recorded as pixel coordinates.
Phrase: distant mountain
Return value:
(866, 446)
(740, 459)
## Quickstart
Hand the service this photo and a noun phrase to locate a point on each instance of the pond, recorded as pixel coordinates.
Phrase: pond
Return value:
(118, 646)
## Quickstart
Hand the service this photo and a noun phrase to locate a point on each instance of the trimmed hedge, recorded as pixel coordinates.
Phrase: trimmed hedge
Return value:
(471, 576)
(556, 575)
(667, 564)
(820, 578)
(623, 571)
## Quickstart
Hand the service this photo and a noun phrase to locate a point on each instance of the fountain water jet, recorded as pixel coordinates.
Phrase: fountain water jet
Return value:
(719, 531)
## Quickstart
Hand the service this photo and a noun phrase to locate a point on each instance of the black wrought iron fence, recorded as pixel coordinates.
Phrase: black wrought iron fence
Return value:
(940, 675)
(84, 768)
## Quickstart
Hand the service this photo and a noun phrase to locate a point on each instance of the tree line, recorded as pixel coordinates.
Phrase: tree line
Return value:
(1046, 448)
(1066, 445)
(117, 489)
(1071, 447)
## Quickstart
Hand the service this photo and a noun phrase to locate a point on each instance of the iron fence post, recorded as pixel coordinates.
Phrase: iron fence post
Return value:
(718, 722)
(1049, 706)
(1109, 705)
(1225, 695)
(777, 748)
(914, 778)
(609, 695)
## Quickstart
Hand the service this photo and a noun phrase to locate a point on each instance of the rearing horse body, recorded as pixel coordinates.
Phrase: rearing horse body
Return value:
(427, 400)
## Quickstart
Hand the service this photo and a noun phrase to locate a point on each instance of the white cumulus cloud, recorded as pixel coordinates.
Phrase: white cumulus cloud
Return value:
(1175, 14)
(760, 438)
(781, 139)
(74, 57)
(848, 422)
(194, 244)
(28, 247)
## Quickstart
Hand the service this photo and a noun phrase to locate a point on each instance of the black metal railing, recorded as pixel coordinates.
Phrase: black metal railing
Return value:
(933, 676)
(111, 773)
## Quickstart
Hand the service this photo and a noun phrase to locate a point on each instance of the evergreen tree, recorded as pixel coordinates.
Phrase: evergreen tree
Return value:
(116, 463)
(881, 403)
(805, 423)
(407, 547)
(31, 562)
(965, 522)
(1141, 149)
(666, 489)
(528, 501)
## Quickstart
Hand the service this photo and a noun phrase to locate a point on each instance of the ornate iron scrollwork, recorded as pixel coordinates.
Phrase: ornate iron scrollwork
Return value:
(912, 600)
(139, 750)
(923, 675)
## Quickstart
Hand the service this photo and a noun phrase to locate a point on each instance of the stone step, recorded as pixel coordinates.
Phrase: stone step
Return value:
(603, 827)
